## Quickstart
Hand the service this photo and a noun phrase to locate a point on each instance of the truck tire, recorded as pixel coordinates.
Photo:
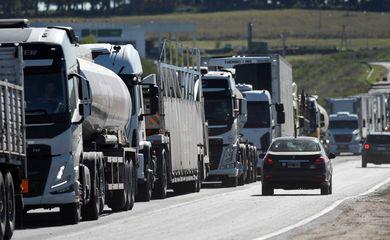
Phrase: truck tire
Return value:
(3, 207)
(160, 189)
(10, 191)
(71, 213)
(146, 188)
(91, 210)
(230, 181)
(131, 181)
(364, 164)
(119, 200)
(325, 190)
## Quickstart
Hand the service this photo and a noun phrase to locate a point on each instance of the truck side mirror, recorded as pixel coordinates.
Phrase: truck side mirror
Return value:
(301, 122)
(154, 99)
(364, 122)
(280, 115)
(85, 99)
(322, 124)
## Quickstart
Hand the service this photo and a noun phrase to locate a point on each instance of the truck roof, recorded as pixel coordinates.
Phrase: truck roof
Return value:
(123, 59)
(342, 116)
(257, 96)
(230, 62)
(45, 35)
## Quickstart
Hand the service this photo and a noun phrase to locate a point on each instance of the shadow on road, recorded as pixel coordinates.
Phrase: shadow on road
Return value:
(288, 195)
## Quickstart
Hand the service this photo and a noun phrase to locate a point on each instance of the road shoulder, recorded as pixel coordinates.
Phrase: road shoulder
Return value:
(365, 217)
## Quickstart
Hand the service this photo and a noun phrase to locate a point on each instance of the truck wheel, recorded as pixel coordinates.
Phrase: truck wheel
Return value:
(71, 213)
(160, 189)
(131, 187)
(91, 210)
(10, 191)
(3, 207)
(230, 181)
(146, 188)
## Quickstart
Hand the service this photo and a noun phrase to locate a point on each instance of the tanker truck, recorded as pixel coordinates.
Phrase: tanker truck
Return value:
(12, 135)
(124, 60)
(77, 114)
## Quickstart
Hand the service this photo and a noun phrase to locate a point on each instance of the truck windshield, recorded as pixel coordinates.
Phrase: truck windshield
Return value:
(342, 124)
(258, 115)
(44, 80)
(218, 110)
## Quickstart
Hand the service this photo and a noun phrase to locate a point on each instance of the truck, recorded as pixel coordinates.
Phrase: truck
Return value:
(347, 123)
(124, 60)
(232, 157)
(178, 129)
(271, 73)
(77, 113)
(13, 162)
(260, 123)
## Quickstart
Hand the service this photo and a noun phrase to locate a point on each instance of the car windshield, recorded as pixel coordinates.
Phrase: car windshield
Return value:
(294, 145)
(258, 115)
(342, 124)
(218, 110)
(378, 139)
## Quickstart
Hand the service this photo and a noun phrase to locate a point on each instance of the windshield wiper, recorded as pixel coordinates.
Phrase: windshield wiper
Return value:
(36, 112)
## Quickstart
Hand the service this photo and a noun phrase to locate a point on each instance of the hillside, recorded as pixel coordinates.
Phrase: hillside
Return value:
(338, 75)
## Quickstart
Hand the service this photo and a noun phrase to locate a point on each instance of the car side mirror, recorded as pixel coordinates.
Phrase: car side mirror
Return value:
(331, 155)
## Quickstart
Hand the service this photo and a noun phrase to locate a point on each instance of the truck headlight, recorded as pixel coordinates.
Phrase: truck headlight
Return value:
(61, 177)
(228, 161)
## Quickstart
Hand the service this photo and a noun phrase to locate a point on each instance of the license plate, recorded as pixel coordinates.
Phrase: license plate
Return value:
(381, 148)
(291, 164)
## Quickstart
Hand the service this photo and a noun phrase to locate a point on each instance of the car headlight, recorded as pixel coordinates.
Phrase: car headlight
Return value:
(61, 177)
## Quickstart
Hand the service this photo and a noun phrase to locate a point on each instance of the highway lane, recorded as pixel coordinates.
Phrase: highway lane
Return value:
(214, 213)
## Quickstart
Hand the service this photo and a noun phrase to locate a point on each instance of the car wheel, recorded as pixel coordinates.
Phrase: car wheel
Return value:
(267, 190)
(325, 190)
(330, 186)
(364, 164)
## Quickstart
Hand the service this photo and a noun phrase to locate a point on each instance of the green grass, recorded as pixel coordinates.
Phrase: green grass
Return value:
(337, 75)
(378, 73)
(267, 23)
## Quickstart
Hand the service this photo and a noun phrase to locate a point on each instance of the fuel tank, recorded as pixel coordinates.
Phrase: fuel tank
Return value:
(111, 101)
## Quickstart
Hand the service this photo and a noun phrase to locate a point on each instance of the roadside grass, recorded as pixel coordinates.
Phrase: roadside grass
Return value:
(337, 75)
(378, 73)
(295, 23)
(353, 43)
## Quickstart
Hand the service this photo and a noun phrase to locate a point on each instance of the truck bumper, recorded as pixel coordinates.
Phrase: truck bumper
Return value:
(51, 200)
(230, 172)
(355, 148)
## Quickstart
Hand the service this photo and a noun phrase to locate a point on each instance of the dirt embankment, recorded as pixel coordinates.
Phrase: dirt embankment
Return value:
(366, 218)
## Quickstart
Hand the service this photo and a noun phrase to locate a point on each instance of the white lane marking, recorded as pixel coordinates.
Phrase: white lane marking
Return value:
(323, 212)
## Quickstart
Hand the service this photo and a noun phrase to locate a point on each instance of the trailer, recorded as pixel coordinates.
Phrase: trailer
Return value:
(12, 138)
(178, 131)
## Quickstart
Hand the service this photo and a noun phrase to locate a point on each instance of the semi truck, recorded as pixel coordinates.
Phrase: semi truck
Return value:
(124, 60)
(13, 142)
(258, 128)
(271, 73)
(79, 153)
(232, 157)
(347, 123)
(178, 130)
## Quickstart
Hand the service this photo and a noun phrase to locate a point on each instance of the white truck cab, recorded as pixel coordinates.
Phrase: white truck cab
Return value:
(344, 134)
(259, 126)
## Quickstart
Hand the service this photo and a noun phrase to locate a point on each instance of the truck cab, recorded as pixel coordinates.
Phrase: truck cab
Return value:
(344, 134)
(226, 115)
(259, 126)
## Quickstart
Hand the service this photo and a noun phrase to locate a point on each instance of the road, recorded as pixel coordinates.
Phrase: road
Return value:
(214, 213)
(385, 65)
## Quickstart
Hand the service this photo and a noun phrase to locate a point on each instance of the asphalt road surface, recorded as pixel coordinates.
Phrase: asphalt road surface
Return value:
(214, 213)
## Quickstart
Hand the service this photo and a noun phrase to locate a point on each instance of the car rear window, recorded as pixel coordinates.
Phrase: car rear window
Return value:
(294, 145)
(378, 139)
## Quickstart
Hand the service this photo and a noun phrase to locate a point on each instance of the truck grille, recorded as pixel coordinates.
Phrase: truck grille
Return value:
(216, 147)
(38, 166)
(345, 138)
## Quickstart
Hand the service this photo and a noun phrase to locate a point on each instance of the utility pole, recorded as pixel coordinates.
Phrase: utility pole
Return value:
(283, 38)
(344, 42)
